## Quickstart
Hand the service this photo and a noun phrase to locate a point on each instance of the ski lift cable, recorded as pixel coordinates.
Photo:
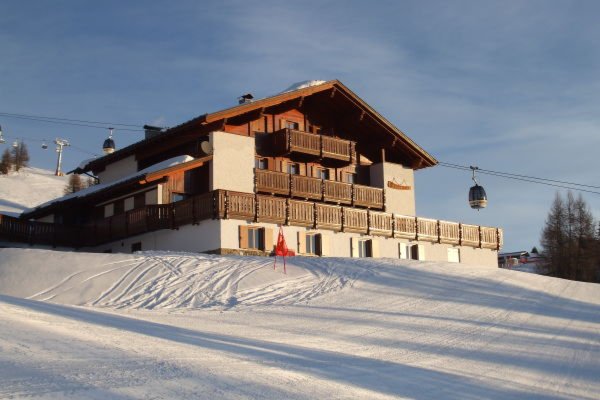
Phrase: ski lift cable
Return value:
(28, 139)
(60, 122)
(65, 119)
(507, 176)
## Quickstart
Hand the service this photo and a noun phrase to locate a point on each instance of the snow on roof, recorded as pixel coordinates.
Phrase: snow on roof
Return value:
(101, 186)
(303, 85)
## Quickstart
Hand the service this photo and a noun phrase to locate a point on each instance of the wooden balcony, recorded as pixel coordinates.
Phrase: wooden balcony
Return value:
(308, 188)
(286, 141)
(249, 206)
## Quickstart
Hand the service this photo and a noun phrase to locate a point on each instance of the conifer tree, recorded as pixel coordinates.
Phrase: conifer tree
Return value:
(6, 162)
(75, 184)
(20, 156)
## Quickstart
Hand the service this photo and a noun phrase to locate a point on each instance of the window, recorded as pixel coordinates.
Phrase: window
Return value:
(454, 255)
(350, 177)
(255, 238)
(417, 252)
(323, 173)
(119, 206)
(292, 125)
(404, 251)
(293, 168)
(364, 247)
(175, 197)
(313, 244)
(139, 200)
(261, 163)
(137, 246)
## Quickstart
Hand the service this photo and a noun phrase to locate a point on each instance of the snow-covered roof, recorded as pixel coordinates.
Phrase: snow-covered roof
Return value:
(303, 85)
(102, 186)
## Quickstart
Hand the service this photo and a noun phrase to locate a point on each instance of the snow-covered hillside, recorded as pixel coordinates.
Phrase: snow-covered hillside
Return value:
(28, 188)
(167, 325)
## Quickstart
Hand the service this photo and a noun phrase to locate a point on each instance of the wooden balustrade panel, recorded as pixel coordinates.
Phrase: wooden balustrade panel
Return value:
(102, 230)
(405, 227)
(183, 212)
(368, 196)
(240, 205)
(470, 235)
(304, 142)
(306, 187)
(500, 238)
(427, 229)
(329, 217)
(136, 221)
(272, 182)
(301, 213)
(119, 225)
(271, 209)
(42, 233)
(158, 216)
(489, 237)
(380, 223)
(336, 148)
(355, 220)
(337, 192)
(204, 206)
(220, 200)
(449, 232)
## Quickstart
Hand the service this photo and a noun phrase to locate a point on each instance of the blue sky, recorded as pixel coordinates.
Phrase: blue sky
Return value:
(510, 85)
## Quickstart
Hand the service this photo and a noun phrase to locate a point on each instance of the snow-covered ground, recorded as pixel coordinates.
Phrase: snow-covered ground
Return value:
(167, 325)
(28, 188)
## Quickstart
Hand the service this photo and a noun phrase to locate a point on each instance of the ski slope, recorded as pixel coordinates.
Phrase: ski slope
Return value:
(177, 325)
(28, 188)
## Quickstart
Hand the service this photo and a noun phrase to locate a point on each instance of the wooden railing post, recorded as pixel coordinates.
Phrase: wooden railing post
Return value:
(416, 228)
(439, 231)
(226, 212)
(287, 211)
(460, 234)
(480, 236)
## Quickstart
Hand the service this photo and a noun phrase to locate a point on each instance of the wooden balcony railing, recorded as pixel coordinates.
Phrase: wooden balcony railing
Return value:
(294, 141)
(305, 187)
(248, 206)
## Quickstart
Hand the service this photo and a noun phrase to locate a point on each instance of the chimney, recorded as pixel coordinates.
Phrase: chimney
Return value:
(246, 98)
(152, 131)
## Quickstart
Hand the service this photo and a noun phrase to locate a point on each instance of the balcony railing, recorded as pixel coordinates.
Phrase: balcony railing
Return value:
(248, 206)
(308, 188)
(293, 141)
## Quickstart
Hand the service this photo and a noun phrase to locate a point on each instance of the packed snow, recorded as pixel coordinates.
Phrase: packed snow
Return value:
(178, 325)
(28, 188)
(303, 85)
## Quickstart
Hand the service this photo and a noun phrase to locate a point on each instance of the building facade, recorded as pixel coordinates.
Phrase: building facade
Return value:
(317, 161)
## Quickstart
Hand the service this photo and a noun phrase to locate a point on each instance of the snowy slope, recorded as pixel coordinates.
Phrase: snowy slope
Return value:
(28, 188)
(168, 325)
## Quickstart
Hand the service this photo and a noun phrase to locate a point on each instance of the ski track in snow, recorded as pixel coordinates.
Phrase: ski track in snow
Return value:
(163, 281)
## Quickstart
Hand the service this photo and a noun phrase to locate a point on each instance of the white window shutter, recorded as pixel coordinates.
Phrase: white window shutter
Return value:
(374, 248)
(403, 251)
(301, 242)
(421, 252)
(354, 249)
(324, 245)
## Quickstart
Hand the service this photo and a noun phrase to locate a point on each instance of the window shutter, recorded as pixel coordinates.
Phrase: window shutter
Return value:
(354, 249)
(324, 242)
(243, 237)
(403, 251)
(267, 239)
(421, 252)
(374, 247)
(301, 242)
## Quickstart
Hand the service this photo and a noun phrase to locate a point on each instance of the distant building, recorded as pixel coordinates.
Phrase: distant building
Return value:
(520, 260)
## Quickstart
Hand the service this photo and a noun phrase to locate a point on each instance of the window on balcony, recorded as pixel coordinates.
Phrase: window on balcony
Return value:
(261, 163)
(292, 125)
(349, 177)
(323, 173)
(175, 197)
(293, 168)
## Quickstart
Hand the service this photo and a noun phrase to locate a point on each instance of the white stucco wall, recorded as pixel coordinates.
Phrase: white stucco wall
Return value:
(232, 166)
(193, 238)
(397, 201)
(118, 170)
